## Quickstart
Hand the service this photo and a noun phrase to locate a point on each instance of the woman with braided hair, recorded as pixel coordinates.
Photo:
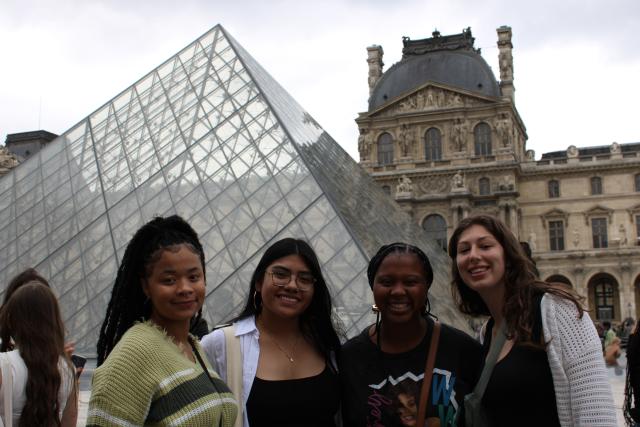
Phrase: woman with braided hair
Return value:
(382, 369)
(150, 369)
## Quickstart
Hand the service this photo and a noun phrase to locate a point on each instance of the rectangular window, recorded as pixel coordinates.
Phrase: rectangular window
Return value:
(556, 235)
(554, 189)
(599, 232)
(638, 230)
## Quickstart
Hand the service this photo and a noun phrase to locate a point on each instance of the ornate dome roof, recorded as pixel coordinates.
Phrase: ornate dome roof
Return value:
(450, 60)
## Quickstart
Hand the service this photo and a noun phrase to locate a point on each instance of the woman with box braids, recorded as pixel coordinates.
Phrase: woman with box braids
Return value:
(383, 369)
(146, 355)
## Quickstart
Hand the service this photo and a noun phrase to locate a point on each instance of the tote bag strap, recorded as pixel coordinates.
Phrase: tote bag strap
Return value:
(7, 390)
(492, 358)
(428, 373)
(234, 369)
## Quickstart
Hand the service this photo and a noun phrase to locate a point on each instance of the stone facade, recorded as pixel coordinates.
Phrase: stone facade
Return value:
(446, 148)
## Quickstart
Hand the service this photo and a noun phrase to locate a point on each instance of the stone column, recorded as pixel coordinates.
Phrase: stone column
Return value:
(505, 59)
(374, 59)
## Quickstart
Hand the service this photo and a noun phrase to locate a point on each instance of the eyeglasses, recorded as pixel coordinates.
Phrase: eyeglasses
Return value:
(281, 278)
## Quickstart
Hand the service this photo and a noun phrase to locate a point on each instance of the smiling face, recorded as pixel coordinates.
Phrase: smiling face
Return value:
(400, 288)
(480, 260)
(285, 301)
(175, 285)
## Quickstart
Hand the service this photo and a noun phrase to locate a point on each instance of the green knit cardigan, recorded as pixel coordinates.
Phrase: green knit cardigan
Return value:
(146, 380)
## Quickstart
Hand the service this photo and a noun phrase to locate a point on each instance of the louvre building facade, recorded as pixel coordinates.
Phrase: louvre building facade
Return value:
(208, 135)
(444, 138)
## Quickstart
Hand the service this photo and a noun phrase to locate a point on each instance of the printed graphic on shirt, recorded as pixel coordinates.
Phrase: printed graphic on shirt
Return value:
(394, 401)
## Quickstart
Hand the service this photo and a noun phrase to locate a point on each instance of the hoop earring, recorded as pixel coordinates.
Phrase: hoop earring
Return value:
(375, 308)
(256, 306)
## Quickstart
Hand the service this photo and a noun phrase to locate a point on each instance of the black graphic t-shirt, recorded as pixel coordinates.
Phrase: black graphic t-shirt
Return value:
(381, 389)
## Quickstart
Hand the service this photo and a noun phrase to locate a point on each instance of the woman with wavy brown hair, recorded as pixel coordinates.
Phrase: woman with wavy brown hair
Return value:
(44, 392)
(549, 370)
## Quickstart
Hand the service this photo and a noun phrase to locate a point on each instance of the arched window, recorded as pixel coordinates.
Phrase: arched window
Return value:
(603, 291)
(385, 149)
(436, 228)
(596, 185)
(432, 144)
(482, 138)
(484, 186)
(554, 189)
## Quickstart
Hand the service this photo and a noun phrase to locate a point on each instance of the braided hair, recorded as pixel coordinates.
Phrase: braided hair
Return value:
(128, 301)
(398, 248)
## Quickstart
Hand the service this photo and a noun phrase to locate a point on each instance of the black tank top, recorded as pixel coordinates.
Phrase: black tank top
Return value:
(520, 391)
(311, 401)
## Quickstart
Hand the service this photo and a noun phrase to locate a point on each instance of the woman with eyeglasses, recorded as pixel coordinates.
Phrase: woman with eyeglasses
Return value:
(286, 341)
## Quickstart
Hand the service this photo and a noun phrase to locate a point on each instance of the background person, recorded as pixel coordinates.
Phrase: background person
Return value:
(28, 275)
(287, 342)
(632, 386)
(44, 392)
(150, 370)
(382, 369)
(550, 370)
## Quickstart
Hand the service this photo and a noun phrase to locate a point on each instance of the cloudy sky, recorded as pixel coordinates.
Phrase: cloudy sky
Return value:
(576, 62)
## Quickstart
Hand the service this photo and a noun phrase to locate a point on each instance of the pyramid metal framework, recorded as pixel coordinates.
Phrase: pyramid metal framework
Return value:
(208, 135)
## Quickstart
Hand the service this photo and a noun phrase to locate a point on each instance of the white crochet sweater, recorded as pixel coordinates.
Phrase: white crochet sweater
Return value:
(580, 380)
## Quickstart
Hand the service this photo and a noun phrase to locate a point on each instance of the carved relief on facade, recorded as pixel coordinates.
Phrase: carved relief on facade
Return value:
(404, 185)
(431, 98)
(433, 185)
(506, 64)
(457, 182)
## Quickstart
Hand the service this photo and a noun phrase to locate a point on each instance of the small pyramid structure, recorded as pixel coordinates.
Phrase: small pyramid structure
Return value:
(211, 136)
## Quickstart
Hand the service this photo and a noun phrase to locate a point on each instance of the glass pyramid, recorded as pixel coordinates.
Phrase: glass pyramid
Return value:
(208, 135)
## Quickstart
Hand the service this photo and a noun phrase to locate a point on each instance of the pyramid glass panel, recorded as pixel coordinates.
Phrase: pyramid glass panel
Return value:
(208, 135)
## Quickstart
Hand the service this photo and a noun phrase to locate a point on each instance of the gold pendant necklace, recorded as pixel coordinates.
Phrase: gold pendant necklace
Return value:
(287, 355)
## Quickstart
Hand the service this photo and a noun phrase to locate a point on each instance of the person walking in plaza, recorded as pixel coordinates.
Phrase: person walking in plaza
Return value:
(550, 369)
(151, 371)
(37, 377)
(278, 356)
(631, 407)
(609, 334)
(407, 367)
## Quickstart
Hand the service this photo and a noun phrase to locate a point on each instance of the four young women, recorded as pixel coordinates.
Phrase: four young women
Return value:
(280, 353)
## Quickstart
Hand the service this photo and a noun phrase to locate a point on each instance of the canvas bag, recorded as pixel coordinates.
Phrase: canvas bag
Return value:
(234, 369)
(474, 413)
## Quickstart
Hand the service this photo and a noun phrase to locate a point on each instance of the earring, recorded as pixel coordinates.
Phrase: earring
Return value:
(255, 303)
(375, 308)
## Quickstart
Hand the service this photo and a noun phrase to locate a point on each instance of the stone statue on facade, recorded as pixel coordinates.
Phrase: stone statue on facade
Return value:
(532, 240)
(457, 182)
(404, 185)
(503, 129)
(530, 155)
(441, 100)
(615, 148)
(8, 160)
(458, 135)
(406, 141)
(420, 100)
(622, 235)
(431, 102)
(363, 144)
(572, 151)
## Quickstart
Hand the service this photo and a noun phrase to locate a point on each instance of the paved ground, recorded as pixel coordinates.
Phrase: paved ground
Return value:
(617, 384)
